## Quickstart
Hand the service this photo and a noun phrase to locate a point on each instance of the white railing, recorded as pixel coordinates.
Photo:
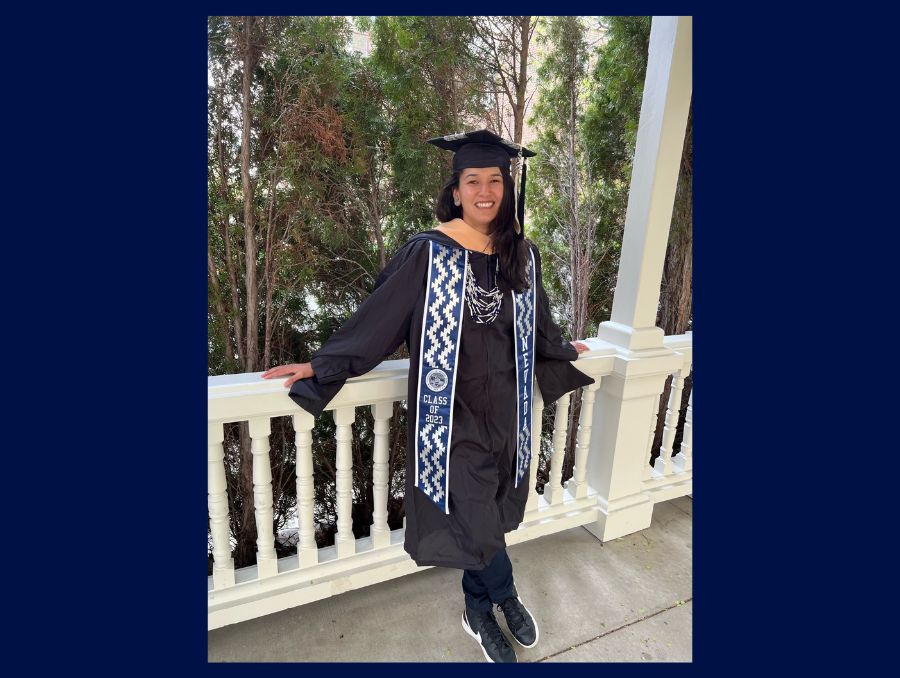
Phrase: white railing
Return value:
(670, 476)
(275, 584)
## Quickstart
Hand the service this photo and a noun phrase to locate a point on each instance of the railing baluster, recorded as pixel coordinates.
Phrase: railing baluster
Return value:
(537, 414)
(577, 484)
(684, 460)
(344, 539)
(553, 490)
(307, 551)
(663, 464)
(266, 558)
(654, 417)
(381, 533)
(217, 501)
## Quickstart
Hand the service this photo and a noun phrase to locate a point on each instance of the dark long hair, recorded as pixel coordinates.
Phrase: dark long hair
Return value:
(511, 249)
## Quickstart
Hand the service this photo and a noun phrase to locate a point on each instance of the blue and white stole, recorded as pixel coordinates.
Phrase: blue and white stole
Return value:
(439, 351)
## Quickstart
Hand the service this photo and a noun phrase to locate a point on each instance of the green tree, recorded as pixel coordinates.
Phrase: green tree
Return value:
(610, 131)
(564, 192)
(277, 164)
(503, 45)
(564, 196)
(297, 197)
(432, 86)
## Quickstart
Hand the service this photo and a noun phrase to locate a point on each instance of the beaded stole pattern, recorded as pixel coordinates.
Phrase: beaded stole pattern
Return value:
(523, 328)
(448, 277)
(439, 349)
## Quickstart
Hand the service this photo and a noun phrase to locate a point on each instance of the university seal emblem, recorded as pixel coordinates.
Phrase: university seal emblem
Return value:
(436, 380)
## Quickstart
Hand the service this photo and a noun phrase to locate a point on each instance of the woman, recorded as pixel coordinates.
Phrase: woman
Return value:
(468, 300)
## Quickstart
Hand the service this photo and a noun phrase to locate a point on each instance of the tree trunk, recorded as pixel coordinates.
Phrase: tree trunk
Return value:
(220, 308)
(246, 540)
(518, 106)
(269, 269)
(235, 315)
(375, 206)
(250, 284)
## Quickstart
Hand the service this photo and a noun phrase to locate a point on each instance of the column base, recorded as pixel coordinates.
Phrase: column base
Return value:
(627, 515)
(632, 338)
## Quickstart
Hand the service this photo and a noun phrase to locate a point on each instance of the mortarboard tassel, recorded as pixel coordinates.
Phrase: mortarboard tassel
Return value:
(521, 206)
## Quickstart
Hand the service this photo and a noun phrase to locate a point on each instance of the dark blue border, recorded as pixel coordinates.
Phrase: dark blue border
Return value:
(127, 344)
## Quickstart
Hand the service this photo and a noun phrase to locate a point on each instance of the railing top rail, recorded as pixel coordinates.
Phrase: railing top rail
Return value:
(236, 397)
(250, 383)
(676, 341)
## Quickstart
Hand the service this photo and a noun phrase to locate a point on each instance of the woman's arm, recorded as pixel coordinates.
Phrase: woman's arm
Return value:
(374, 331)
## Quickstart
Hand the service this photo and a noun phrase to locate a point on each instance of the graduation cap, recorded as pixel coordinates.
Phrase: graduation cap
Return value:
(483, 148)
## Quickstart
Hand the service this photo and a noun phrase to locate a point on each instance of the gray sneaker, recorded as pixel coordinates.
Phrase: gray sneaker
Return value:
(483, 627)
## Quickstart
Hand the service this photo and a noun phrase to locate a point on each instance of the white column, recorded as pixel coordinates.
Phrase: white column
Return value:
(381, 533)
(616, 463)
(307, 550)
(553, 490)
(684, 459)
(663, 464)
(266, 558)
(577, 485)
(657, 157)
(217, 501)
(344, 539)
(537, 416)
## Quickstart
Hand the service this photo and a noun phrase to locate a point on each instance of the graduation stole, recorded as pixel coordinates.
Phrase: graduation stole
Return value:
(439, 351)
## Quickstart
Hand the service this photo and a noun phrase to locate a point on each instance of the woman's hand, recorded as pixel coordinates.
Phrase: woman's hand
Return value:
(295, 370)
(581, 348)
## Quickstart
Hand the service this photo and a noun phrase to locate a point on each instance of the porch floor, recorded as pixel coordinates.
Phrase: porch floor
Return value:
(628, 600)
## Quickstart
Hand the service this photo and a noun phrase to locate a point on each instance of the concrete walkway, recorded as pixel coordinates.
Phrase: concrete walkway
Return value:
(628, 600)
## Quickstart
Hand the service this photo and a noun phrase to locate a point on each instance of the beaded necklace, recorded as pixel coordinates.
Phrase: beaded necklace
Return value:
(484, 305)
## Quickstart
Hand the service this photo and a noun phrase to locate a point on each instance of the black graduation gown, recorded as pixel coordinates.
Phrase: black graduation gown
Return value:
(484, 504)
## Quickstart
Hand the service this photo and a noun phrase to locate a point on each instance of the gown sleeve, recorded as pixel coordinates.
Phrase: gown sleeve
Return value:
(553, 368)
(373, 332)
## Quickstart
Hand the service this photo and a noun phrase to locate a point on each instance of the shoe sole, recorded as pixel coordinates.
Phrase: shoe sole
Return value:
(537, 631)
(477, 638)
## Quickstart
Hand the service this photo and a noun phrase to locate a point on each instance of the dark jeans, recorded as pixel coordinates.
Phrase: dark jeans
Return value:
(493, 584)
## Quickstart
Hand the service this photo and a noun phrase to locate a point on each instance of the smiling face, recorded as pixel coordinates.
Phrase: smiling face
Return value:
(480, 192)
